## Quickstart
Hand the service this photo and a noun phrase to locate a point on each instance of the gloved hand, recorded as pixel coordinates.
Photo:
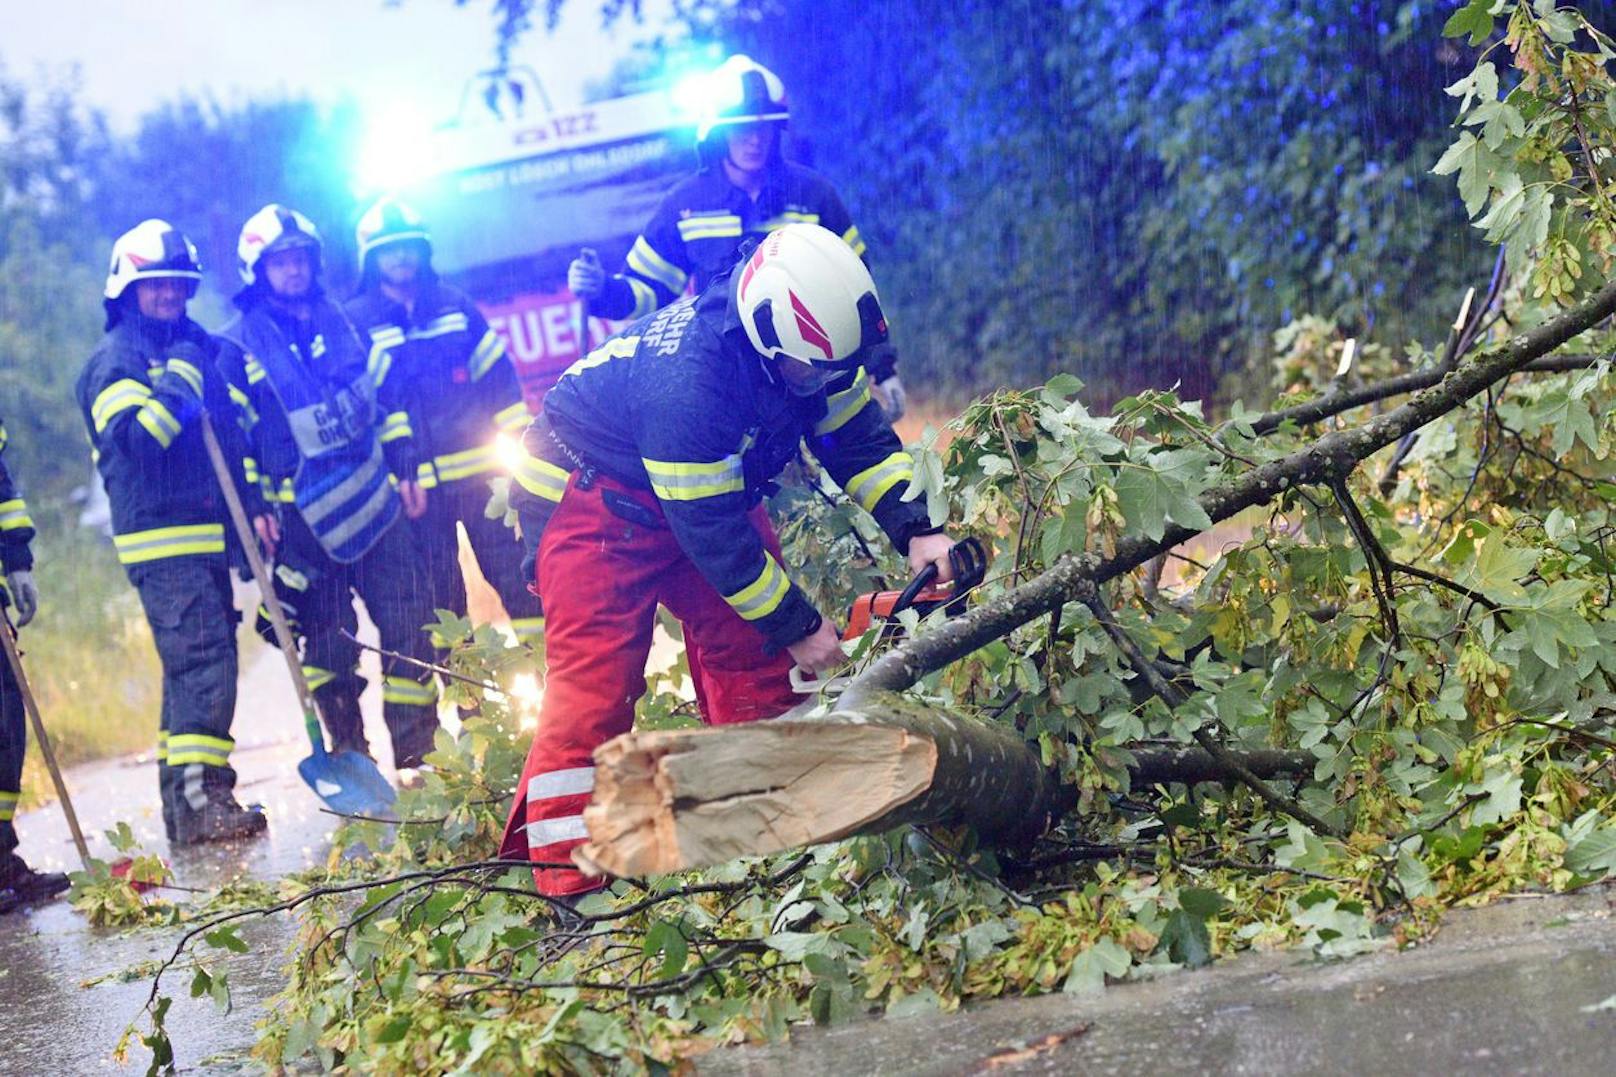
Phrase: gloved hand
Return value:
(24, 595)
(892, 398)
(586, 277)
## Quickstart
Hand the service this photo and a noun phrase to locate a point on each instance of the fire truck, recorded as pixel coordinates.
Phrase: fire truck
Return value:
(515, 191)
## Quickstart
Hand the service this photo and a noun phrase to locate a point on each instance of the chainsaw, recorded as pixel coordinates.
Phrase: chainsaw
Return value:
(923, 594)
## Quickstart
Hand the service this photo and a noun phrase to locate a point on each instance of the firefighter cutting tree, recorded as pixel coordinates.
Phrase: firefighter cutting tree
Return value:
(645, 475)
(744, 189)
(434, 348)
(323, 451)
(142, 395)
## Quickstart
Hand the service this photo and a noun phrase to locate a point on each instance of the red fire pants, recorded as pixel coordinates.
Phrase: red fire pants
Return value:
(602, 577)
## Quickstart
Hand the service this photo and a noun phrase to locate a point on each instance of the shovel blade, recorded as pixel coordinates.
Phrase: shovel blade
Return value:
(348, 782)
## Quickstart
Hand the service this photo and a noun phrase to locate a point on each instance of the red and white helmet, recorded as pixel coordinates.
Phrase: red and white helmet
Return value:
(804, 295)
(388, 221)
(273, 228)
(741, 90)
(151, 249)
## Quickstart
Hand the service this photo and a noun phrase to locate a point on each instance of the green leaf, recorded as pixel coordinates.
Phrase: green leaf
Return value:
(1186, 940)
(1202, 903)
(1594, 854)
(1088, 972)
(225, 938)
(1477, 166)
(1475, 19)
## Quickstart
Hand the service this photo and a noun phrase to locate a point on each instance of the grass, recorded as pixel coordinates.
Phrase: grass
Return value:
(89, 659)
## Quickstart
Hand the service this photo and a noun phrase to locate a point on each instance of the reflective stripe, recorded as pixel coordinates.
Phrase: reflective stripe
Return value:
(250, 472)
(490, 350)
(244, 403)
(350, 487)
(255, 371)
(543, 832)
(870, 485)
(788, 217)
(121, 395)
(513, 419)
(285, 495)
(14, 515)
(138, 547)
(644, 260)
(162, 745)
(195, 794)
(159, 422)
(464, 464)
(317, 346)
(8, 806)
(528, 629)
(540, 477)
(763, 595)
(645, 300)
(852, 238)
(718, 226)
(616, 348)
(442, 325)
(407, 691)
(187, 748)
(426, 475)
(561, 783)
(841, 407)
(680, 481)
(380, 360)
(317, 677)
(187, 371)
(397, 425)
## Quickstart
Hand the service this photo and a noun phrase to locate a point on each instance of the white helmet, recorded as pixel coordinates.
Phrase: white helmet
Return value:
(274, 228)
(804, 295)
(741, 90)
(150, 249)
(388, 221)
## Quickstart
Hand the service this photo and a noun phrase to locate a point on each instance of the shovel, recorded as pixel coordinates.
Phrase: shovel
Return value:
(348, 782)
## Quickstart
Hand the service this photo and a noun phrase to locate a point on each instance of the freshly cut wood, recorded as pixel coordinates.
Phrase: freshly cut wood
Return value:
(679, 799)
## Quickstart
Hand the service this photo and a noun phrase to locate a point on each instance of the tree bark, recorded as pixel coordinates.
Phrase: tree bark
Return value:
(680, 799)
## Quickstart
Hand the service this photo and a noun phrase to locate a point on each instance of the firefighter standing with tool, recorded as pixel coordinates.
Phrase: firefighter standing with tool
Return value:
(645, 474)
(322, 453)
(745, 189)
(19, 883)
(142, 395)
(460, 389)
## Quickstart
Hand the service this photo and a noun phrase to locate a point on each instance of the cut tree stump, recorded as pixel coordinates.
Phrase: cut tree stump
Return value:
(680, 799)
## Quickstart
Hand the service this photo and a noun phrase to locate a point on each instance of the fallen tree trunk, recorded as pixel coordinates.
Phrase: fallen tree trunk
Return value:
(680, 799)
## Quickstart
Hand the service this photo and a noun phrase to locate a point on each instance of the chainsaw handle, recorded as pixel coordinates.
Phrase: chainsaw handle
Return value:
(922, 580)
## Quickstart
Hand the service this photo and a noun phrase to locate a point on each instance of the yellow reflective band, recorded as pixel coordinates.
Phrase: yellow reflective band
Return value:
(5, 438)
(721, 226)
(159, 422)
(187, 748)
(490, 350)
(8, 806)
(680, 481)
(616, 348)
(188, 371)
(121, 395)
(317, 677)
(244, 404)
(540, 477)
(841, 407)
(763, 595)
(852, 238)
(464, 464)
(408, 692)
(138, 547)
(249, 470)
(788, 217)
(255, 371)
(870, 485)
(645, 300)
(644, 260)
(528, 629)
(162, 745)
(285, 495)
(513, 419)
(14, 515)
(396, 426)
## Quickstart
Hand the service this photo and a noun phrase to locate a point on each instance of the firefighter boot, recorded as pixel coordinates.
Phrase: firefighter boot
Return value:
(25, 885)
(220, 819)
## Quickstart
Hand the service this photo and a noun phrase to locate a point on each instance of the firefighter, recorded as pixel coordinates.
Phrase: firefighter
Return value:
(142, 394)
(744, 189)
(323, 450)
(461, 393)
(645, 473)
(19, 883)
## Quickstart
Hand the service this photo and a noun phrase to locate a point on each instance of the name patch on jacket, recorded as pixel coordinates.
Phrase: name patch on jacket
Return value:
(333, 423)
(667, 329)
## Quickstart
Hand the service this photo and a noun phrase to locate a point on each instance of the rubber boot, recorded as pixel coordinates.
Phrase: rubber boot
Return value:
(26, 885)
(221, 819)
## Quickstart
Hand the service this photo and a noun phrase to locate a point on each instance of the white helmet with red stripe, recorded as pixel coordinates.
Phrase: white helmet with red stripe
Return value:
(151, 249)
(804, 295)
(274, 228)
